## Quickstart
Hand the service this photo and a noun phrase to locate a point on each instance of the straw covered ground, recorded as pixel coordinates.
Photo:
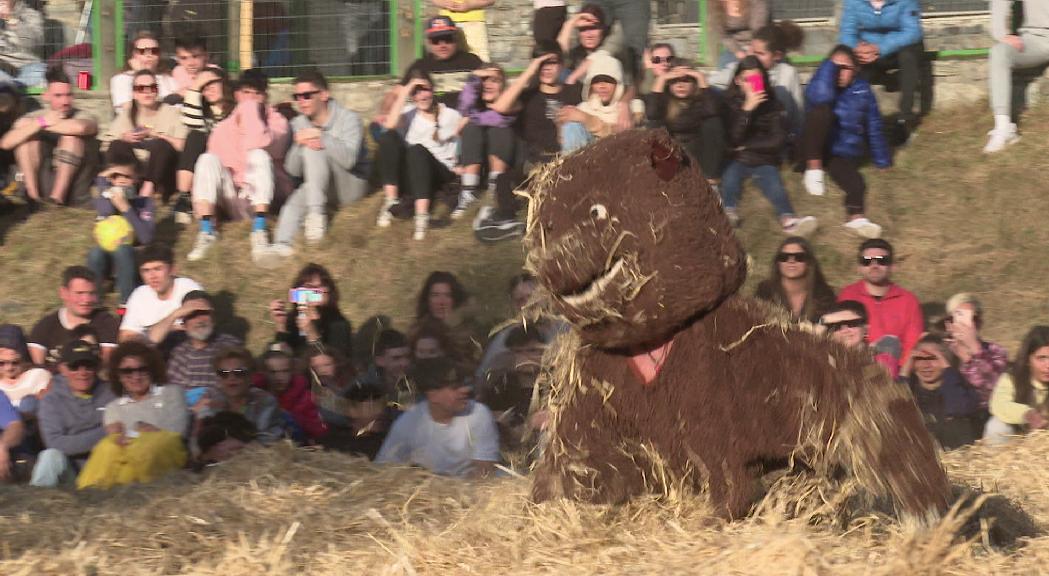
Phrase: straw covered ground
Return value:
(293, 511)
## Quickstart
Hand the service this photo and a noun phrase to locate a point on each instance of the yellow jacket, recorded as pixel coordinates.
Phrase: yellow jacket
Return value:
(1003, 400)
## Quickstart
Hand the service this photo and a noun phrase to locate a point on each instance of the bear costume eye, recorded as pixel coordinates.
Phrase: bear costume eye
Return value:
(598, 212)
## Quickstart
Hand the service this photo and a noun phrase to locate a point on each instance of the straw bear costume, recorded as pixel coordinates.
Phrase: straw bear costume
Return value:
(668, 378)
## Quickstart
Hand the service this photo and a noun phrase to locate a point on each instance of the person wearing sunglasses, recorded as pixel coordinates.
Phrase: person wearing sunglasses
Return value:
(144, 54)
(842, 122)
(70, 416)
(796, 282)
(895, 314)
(234, 368)
(949, 405)
(846, 323)
(469, 16)
(145, 425)
(119, 198)
(329, 156)
(189, 365)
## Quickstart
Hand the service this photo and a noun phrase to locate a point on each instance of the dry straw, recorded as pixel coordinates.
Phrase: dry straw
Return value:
(291, 511)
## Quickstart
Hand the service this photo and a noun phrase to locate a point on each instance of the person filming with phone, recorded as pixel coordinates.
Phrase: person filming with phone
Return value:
(311, 315)
(981, 362)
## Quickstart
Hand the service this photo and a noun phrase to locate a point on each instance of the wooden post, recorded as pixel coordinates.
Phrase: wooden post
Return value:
(109, 28)
(247, 29)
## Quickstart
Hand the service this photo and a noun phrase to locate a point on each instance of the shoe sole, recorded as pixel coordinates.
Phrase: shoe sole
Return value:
(1007, 144)
(869, 232)
(805, 229)
(497, 235)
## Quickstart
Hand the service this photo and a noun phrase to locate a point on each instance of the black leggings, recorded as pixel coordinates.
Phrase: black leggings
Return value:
(480, 142)
(196, 144)
(845, 172)
(160, 169)
(411, 167)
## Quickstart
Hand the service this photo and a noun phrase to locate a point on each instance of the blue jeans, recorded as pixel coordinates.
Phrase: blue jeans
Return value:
(31, 75)
(124, 268)
(634, 17)
(574, 136)
(765, 176)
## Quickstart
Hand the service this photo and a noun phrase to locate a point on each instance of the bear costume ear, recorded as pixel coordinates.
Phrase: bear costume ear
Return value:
(666, 159)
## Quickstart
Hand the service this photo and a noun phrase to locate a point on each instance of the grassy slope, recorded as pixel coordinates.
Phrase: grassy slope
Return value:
(960, 222)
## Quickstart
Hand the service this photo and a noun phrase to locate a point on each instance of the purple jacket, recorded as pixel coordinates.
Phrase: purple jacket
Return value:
(473, 107)
(140, 216)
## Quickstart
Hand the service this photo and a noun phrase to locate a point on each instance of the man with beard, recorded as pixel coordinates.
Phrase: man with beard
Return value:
(155, 308)
(892, 312)
(79, 296)
(190, 365)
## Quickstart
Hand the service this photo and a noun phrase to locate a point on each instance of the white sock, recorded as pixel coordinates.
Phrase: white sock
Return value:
(471, 180)
(1002, 122)
(493, 177)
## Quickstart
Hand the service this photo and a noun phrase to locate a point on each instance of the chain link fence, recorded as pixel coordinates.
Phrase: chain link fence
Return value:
(35, 34)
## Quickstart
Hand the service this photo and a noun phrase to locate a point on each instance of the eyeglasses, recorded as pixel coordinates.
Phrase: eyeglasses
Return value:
(661, 59)
(143, 88)
(305, 95)
(442, 40)
(83, 365)
(801, 257)
(6, 363)
(152, 50)
(239, 373)
(833, 327)
(131, 370)
(879, 260)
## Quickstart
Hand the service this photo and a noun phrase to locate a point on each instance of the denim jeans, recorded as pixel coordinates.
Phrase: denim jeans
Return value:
(767, 178)
(52, 468)
(634, 17)
(574, 136)
(122, 262)
(31, 75)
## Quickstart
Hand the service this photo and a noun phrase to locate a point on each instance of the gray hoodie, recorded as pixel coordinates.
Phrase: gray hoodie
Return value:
(342, 137)
(71, 423)
(1036, 18)
(22, 36)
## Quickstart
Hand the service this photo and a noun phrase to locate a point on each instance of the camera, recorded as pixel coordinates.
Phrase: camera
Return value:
(304, 296)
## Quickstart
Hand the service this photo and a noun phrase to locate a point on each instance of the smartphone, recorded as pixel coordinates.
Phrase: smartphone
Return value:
(757, 82)
(303, 296)
(963, 317)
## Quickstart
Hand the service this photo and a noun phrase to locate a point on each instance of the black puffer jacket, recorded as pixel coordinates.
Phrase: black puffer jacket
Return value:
(688, 126)
(757, 137)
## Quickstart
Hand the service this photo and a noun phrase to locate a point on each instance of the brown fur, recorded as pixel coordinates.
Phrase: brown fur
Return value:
(740, 386)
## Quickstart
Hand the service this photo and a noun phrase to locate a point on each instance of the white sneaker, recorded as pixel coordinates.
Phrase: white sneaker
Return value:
(814, 182)
(282, 250)
(466, 199)
(201, 246)
(1001, 139)
(260, 242)
(422, 222)
(316, 225)
(864, 228)
(803, 226)
(482, 215)
(384, 219)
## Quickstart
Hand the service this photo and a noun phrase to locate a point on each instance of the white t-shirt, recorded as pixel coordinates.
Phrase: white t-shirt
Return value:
(29, 383)
(144, 308)
(420, 131)
(121, 93)
(447, 449)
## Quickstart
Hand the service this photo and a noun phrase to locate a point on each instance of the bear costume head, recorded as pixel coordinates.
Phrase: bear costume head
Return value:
(629, 269)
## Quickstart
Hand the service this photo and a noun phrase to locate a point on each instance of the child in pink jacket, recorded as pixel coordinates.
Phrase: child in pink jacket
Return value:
(244, 159)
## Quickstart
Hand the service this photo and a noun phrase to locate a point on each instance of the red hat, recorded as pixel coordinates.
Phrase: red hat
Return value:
(440, 26)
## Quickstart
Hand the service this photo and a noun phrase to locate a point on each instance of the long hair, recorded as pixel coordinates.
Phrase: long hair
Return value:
(133, 112)
(1037, 338)
(782, 36)
(815, 281)
(162, 63)
(136, 349)
(745, 65)
(311, 270)
(459, 294)
(227, 103)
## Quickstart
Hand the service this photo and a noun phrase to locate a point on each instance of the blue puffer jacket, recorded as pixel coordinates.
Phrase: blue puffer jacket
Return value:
(896, 25)
(858, 124)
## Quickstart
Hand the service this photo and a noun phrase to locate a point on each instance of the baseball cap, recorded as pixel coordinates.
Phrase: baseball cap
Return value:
(440, 26)
(78, 351)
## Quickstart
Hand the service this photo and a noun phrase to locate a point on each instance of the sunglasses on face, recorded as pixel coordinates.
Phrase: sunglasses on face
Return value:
(661, 59)
(6, 363)
(879, 260)
(132, 370)
(305, 95)
(833, 327)
(153, 50)
(238, 373)
(145, 88)
(792, 257)
(419, 89)
(925, 358)
(84, 365)
(442, 40)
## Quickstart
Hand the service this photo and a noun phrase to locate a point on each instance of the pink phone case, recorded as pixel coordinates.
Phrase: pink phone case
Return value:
(757, 83)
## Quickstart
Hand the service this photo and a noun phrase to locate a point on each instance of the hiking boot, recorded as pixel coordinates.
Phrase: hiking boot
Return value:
(803, 226)
(495, 229)
(422, 222)
(864, 228)
(315, 227)
(183, 209)
(1001, 139)
(814, 182)
(201, 246)
(466, 199)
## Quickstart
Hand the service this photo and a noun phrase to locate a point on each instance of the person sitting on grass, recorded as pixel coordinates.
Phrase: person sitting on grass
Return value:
(949, 405)
(447, 433)
(317, 319)
(79, 294)
(70, 416)
(145, 426)
(508, 389)
(144, 55)
(60, 134)
(234, 367)
(982, 362)
(757, 139)
(417, 153)
(292, 390)
(443, 299)
(796, 282)
(842, 122)
(21, 38)
(368, 417)
(1018, 403)
(488, 138)
(191, 53)
(1027, 47)
(847, 324)
(121, 199)
(23, 384)
(190, 362)
(328, 154)
(205, 103)
(12, 431)
(598, 114)
(154, 309)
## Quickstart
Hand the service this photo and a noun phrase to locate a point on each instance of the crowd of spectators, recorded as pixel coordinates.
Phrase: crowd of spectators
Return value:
(96, 399)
